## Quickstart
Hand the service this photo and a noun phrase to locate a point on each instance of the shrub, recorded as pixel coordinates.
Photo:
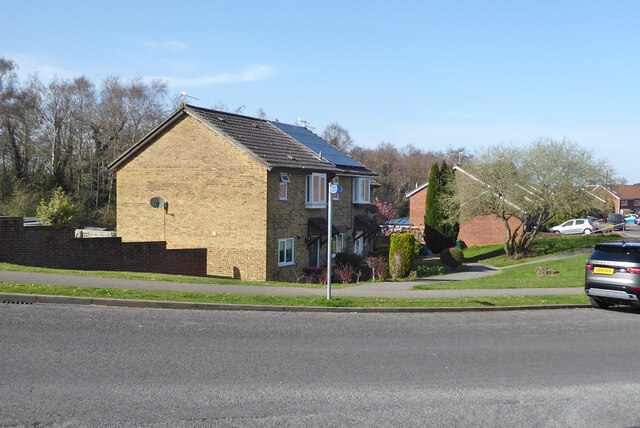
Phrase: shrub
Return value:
(395, 264)
(379, 267)
(452, 257)
(59, 211)
(404, 243)
(345, 272)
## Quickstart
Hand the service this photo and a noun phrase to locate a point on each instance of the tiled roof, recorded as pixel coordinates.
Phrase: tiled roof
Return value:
(274, 147)
(259, 138)
(628, 192)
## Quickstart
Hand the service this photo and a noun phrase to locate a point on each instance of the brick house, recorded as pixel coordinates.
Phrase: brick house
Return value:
(480, 230)
(252, 192)
(625, 198)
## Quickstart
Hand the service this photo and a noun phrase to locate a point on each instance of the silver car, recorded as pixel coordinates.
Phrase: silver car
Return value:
(580, 225)
(613, 275)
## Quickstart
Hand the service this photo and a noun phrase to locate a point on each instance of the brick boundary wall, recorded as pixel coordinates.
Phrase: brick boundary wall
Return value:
(57, 247)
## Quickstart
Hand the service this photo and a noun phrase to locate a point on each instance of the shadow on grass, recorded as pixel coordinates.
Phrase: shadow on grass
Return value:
(482, 302)
(484, 256)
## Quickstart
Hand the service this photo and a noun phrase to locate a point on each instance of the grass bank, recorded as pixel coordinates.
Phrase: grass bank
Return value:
(145, 276)
(243, 299)
(494, 254)
(570, 274)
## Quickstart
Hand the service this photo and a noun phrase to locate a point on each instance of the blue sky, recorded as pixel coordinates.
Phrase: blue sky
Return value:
(437, 75)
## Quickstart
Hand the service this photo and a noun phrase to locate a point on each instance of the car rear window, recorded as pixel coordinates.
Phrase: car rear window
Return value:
(617, 254)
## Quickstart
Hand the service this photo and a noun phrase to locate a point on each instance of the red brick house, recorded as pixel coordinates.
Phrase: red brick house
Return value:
(480, 230)
(625, 198)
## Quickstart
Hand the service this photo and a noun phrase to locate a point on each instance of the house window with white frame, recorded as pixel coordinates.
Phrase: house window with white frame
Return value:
(624, 202)
(285, 252)
(358, 244)
(636, 203)
(284, 187)
(336, 181)
(337, 244)
(361, 190)
(316, 191)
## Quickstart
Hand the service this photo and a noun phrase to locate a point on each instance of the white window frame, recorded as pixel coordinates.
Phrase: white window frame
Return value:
(335, 248)
(310, 190)
(282, 251)
(358, 244)
(284, 181)
(336, 181)
(636, 203)
(624, 202)
(362, 190)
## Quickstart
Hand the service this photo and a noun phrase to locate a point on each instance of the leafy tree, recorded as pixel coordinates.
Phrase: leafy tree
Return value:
(59, 211)
(449, 211)
(527, 185)
(441, 216)
(432, 235)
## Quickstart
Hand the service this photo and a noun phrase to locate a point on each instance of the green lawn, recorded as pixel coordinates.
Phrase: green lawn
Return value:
(244, 299)
(494, 254)
(570, 274)
(163, 277)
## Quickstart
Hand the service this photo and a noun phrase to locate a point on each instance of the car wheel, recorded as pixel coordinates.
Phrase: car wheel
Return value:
(556, 231)
(597, 303)
(586, 231)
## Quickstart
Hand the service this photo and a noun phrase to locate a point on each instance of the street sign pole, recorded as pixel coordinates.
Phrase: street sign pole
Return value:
(329, 243)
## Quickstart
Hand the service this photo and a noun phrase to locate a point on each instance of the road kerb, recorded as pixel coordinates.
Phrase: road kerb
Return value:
(15, 298)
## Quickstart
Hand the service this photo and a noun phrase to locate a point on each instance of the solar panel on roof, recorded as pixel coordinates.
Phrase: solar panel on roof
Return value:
(317, 145)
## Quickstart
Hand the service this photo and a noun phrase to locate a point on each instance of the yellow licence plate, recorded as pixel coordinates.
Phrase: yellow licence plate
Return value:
(604, 271)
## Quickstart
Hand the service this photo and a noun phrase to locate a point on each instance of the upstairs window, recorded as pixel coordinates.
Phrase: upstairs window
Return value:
(284, 187)
(361, 188)
(316, 191)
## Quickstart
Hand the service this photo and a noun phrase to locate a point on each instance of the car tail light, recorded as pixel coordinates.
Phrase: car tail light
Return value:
(633, 270)
(589, 266)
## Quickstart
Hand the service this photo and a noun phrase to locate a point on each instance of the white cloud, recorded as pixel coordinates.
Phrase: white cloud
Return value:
(250, 74)
(29, 65)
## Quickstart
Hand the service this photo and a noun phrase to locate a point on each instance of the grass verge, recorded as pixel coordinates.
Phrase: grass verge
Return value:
(145, 276)
(248, 299)
(570, 274)
(494, 254)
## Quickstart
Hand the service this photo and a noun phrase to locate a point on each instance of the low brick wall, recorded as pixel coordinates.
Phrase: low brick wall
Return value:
(57, 247)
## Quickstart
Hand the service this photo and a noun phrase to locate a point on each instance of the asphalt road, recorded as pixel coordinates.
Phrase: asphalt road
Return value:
(94, 366)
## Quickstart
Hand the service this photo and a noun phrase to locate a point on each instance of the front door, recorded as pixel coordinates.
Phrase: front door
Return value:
(314, 253)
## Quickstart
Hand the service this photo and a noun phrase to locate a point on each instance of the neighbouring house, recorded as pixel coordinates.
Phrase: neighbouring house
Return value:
(252, 192)
(480, 230)
(625, 198)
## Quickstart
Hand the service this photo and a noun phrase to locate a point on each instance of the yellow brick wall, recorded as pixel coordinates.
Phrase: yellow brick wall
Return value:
(216, 194)
(289, 219)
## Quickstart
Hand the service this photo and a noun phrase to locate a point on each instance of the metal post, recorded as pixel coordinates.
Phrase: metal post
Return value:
(329, 245)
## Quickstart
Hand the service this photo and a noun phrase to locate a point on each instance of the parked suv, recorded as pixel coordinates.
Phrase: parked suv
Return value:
(616, 220)
(613, 275)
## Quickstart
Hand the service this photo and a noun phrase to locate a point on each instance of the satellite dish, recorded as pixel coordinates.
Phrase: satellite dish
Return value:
(157, 202)
(372, 209)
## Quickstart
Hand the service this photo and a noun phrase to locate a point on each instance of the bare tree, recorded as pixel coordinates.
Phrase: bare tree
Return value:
(337, 136)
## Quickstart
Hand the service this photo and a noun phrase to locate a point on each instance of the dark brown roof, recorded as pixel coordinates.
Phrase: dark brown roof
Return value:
(264, 140)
